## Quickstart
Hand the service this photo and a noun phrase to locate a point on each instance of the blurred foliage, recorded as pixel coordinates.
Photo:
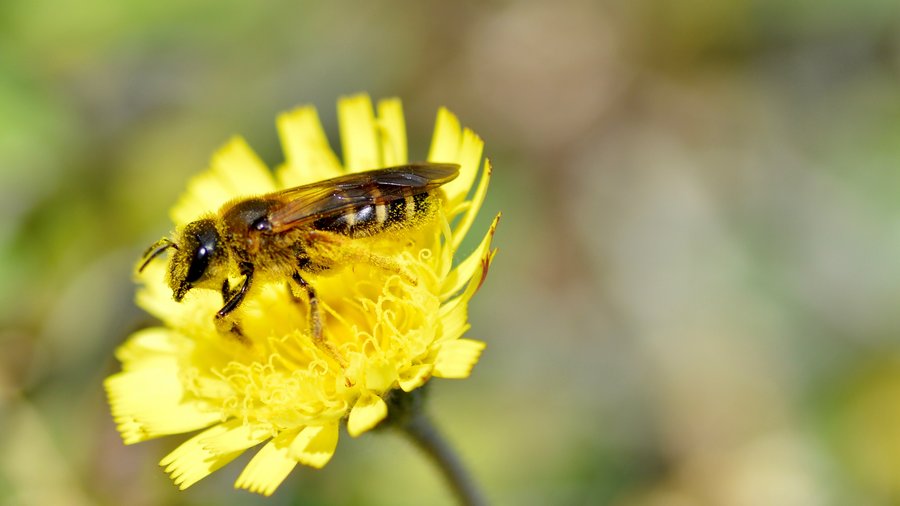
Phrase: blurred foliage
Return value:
(696, 296)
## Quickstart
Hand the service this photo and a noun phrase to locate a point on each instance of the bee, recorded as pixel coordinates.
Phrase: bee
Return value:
(287, 234)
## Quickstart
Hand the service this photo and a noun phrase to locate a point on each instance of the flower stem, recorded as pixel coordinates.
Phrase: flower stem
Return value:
(424, 434)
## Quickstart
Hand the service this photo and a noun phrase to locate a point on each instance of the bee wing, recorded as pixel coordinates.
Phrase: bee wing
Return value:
(332, 197)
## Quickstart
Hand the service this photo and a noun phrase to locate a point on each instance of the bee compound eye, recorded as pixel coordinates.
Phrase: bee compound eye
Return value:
(206, 246)
(199, 264)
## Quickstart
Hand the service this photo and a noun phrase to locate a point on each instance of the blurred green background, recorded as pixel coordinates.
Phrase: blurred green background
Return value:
(697, 297)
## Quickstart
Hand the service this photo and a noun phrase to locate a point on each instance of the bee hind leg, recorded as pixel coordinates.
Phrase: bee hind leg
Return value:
(344, 251)
(315, 321)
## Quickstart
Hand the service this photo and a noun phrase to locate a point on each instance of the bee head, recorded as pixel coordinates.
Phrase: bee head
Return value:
(197, 258)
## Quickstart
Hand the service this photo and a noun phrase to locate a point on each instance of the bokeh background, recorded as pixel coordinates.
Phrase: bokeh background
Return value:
(697, 297)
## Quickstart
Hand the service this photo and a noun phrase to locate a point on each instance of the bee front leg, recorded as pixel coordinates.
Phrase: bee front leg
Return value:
(315, 321)
(232, 299)
(227, 291)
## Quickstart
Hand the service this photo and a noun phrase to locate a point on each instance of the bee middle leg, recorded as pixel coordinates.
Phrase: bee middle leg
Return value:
(315, 321)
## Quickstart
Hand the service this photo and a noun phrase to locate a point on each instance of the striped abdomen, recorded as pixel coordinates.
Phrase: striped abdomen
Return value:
(380, 214)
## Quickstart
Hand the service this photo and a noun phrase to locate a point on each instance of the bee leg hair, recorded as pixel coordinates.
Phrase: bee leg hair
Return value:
(345, 251)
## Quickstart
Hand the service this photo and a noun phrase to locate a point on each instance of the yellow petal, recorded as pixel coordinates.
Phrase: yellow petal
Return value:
(444, 258)
(368, 411)
(456, 358)
(473, 265)
(380, 375)
(445, 141)
(191, 318)
(450, 144)
(238, 437)
(308, 154)
(314, 445)
(469, 158)
(455, 321)
(149, 402)
(235, 171)
(392, 132)
(191, 462)
(269, 467)
(155, 297)
(462, 228)
(415, 376)
(152, 347)
(358, 133)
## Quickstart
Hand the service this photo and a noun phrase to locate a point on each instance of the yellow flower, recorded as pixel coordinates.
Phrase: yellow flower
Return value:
(276, 387)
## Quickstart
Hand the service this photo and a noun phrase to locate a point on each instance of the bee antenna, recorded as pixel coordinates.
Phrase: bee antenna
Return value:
(155, 250)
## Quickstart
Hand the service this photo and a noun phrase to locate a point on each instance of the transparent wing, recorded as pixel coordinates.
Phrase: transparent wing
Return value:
(333, 197)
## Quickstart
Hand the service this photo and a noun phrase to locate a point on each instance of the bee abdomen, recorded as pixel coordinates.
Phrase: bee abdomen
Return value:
(380, 215)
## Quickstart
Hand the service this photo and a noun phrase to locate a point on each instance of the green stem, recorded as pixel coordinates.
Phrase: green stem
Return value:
(424, 434)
